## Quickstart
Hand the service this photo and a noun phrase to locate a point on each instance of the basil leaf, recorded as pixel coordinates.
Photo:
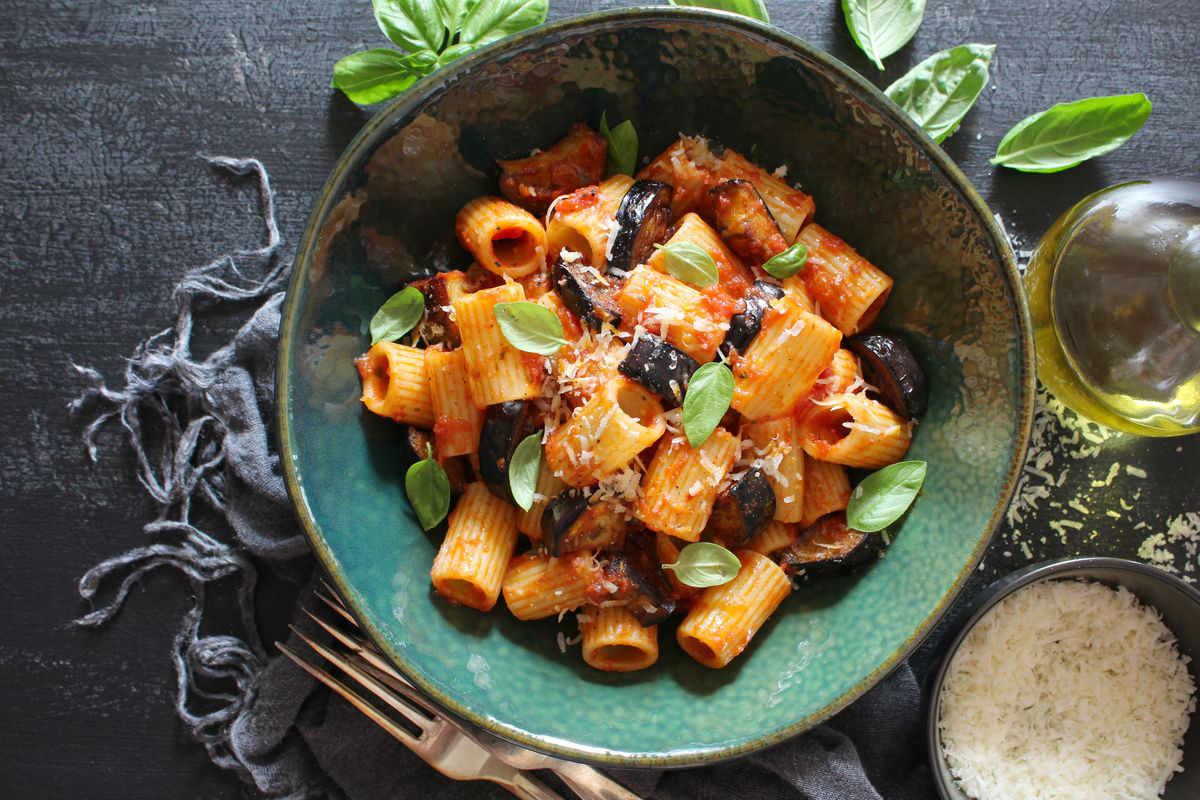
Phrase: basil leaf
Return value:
(703, 564)
(939, 91)
(884, 496)
(428, 490)
(398, 315)
(881, 27)
(490, 20)
(747, 8)
(787, 263)
(691, 263)
(452, 13)
(523, 470)
(1070, 133)
(708, 395)
(372, 76)
(411, 24)
(530, 327)
(452, 52)
(622, 146)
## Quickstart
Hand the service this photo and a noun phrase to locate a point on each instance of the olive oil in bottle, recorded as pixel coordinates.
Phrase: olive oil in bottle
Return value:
(1114, 291)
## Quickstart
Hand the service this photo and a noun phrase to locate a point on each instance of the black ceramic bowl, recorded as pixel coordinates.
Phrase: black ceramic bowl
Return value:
(1176, 601)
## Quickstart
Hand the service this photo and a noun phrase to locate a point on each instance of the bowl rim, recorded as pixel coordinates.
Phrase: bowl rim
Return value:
(1055, 569)
(419, 93)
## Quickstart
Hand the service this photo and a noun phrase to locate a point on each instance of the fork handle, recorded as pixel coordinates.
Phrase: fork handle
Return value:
(525, 786)
(591, 784)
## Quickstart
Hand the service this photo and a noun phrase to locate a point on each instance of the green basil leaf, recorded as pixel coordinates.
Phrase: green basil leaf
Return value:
(703, 564)
(411, 24)
(939, 91)
(787, 263)
(884, 496)
(523, 470)
(622, 146)
(487, 21)
(398, 315)
(709, 392)
(454, 51)
(530, 327)
(881, 27)
(452, 13)
(1070, 133)
(690, 263)
(372, 76)
(748, 8)
(428, 490)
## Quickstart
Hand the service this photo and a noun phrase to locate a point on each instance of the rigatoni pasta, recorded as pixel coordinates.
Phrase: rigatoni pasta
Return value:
(584, 422)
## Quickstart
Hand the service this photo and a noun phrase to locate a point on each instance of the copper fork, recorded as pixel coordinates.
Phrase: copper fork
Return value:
(588, 783)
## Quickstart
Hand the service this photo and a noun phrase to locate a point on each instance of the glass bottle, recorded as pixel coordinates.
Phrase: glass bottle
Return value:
(1114, 291)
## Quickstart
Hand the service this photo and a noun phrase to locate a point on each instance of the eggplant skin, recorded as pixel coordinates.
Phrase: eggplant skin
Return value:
(440, 290)
(744, 326)
(504, 426)
(737, 211)
(585, 293)
(575, 161)
(890, 366)
(571, 523)
(638, 579)
(642, 222)
(828, 546)
(742, 510)
(660, 367)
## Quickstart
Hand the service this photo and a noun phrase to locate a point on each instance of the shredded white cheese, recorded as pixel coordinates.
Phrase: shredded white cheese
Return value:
(1066, 690)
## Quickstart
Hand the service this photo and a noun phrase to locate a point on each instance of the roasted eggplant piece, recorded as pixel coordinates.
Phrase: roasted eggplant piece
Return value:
(890, 366)
(745, 326)
(574, 161)
(828, 546)
(660, 367)
(440, 291)
(633, 575)
(742, 510)
(586, 293)
(642, 222)
(737, 211)
(504, 426)
(571, 523)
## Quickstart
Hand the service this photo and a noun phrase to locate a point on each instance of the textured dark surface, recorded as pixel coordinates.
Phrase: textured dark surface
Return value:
(103, 205)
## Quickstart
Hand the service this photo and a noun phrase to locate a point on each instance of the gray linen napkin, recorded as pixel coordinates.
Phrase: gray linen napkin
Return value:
(201, 433)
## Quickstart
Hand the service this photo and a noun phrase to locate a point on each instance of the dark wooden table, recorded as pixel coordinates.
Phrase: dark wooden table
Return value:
(103, 204)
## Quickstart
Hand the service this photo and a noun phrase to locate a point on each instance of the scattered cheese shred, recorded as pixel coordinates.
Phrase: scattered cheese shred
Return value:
(1066, 689)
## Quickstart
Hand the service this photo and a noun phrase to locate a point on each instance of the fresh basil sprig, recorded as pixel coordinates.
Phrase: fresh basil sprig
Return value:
(523, 470)
(431, 33)
(529, 327)
(881, 27)
(788, 263)
(709, 392)
(428, 490)
(704, 564)
(939, 91)
(884, 496)
(748, 8)
(690, 263)
(622, 146)
(1070, 133)
(398, 315)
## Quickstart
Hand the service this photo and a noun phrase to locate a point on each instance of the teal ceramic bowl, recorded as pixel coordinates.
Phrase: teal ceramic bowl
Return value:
(386, 214)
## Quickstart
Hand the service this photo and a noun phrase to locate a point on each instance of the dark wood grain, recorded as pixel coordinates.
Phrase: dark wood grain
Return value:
(103, 204)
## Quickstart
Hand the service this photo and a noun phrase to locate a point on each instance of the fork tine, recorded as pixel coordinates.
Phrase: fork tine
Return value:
(351, 697)
(358, 647)
(333, 593)
(336, 606)
(371, 684)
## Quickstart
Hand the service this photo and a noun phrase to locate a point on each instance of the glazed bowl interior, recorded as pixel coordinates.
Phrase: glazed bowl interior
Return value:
(387, 215)
(1177, 602)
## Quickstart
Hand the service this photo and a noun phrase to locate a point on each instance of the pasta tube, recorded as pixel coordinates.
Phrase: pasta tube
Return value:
(826, 489)
(780, 453)
(854, 430)
(457, 420)
(394, 383)
(606, 433)
(849, 290)
(496, 371)
(670, 308)
(614, 641)
(538, 586)
(504, 238)
(471, 562)
(582, 221)
(681, 483)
